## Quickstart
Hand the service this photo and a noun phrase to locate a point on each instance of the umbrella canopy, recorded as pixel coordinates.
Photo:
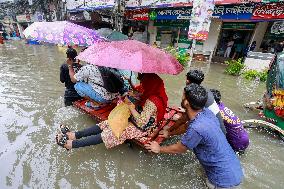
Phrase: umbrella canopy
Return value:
(131, 55)
(117, 36)
(104, 32)
(62, 32)
(111, 35)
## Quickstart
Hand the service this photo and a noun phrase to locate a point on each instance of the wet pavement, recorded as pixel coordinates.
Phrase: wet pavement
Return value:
(31, 108)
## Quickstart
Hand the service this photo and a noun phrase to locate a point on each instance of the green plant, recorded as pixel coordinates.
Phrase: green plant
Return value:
(253, 74)
(182, 57)
(234, 66)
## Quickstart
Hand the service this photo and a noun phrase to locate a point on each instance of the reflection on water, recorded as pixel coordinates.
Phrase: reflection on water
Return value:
(31, 108)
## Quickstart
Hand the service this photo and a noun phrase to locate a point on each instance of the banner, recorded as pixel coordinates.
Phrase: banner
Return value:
(200, 19)
(234, 12)
(182, 13)
(269, 11)
(157, 3)
(277, 28)
(90, 4)
(139, 14)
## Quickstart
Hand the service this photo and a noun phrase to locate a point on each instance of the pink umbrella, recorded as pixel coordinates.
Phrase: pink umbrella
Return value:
(131, 55)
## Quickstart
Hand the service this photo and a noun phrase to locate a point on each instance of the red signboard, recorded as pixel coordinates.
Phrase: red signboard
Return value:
(139, 15)
(269, 11)
(222, 2)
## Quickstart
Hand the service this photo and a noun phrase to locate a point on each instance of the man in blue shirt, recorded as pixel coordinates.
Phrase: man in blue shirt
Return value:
(205, 138)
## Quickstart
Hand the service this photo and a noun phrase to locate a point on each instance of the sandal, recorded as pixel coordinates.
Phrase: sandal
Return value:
(62, 141)
(64, 129)
(95, 107)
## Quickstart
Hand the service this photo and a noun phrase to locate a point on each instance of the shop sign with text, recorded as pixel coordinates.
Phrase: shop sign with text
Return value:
(269, 11)
(171, 14)
(157, 3)
(139, 15)
(239, 25)
(239, 12)
(90, 4)
(172, 23)
(76, 17)
(277, 28)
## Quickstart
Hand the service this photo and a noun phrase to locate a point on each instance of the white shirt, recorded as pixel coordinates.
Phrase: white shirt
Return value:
(90, 74)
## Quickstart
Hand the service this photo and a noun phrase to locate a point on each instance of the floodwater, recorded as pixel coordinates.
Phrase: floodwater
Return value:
(31, 108)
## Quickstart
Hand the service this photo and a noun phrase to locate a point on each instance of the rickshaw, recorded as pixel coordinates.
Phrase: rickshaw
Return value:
(272, 105)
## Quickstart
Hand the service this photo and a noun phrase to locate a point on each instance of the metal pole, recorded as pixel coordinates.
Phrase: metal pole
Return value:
(191, 53)
(178, 37)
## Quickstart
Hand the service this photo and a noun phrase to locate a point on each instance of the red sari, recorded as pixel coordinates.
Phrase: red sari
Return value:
(154, 91)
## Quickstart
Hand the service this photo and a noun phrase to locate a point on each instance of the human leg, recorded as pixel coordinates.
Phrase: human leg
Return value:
(88, 141)
(86, 90)
(94, 130)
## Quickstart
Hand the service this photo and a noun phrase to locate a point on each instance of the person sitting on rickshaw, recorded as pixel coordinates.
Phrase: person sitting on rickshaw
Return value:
(236, 135)
(153, 102)
(91, 83)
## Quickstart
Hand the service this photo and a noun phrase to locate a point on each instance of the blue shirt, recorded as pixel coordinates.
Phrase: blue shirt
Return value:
(205, 137)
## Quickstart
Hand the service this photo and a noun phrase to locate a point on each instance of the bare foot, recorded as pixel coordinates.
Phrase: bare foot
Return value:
(71, 135)
(68, 144)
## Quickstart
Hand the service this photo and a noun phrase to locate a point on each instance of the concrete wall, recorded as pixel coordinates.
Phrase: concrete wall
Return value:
(258, 35)
(152, 30)
(214, 31)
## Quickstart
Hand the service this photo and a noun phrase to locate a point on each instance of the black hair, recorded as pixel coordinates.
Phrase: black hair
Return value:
(140, 76)
(83, 49)
(196, 96)
(195, 76)
(71, 53)
(217, 95)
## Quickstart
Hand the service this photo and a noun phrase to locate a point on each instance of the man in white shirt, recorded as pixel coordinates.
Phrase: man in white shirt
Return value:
(89, 83)
(230, 45)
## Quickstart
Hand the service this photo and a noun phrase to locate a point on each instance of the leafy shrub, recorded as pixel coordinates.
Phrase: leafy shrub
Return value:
(182, 57)
(234, 66)
(253, 74)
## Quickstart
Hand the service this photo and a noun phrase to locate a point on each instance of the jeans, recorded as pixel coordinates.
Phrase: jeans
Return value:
(92, 136)
(86, 90)
(212, 186)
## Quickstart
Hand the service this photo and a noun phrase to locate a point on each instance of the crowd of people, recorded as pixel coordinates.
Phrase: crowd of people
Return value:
(208, 128)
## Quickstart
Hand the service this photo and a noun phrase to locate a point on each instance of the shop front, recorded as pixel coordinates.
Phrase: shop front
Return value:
(171, 26)
(236, 29)
(136, 21)
(247, 25)
(272, 16)
(233, 35)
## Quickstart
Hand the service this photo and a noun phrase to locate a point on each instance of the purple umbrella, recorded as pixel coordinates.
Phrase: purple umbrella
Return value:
(62, 32)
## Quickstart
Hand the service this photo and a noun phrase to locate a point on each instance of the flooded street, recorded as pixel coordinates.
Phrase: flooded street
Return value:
(31, 109)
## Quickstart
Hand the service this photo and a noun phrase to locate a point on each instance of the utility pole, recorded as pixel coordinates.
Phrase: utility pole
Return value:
(119, 10)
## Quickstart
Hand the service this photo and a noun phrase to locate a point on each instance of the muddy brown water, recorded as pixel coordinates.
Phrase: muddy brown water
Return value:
(31, 108)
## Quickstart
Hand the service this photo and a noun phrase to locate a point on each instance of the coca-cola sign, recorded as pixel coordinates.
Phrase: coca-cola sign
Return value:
(139, 15)
(269, 11)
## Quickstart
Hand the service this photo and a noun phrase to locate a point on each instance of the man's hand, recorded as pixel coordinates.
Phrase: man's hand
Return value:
(153, 147)
(164, 132)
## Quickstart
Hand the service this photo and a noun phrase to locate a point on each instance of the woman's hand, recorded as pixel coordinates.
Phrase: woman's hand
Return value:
(69, 62)
(129, 103)
(126, 78)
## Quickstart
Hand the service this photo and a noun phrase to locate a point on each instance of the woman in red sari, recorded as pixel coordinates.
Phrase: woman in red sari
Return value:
(153, 102)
